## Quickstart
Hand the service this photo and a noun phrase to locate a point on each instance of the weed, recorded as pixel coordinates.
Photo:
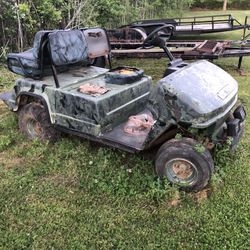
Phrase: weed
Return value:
(199, 148)
(5, 141)
(178, 136)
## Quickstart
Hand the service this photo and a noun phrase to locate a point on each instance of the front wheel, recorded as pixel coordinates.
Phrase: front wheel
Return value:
(184, 165)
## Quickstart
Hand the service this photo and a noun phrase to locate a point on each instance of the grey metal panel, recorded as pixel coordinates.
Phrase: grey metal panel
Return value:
(97, 41)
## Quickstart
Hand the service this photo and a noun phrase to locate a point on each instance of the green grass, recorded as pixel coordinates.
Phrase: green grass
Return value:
(78, 195)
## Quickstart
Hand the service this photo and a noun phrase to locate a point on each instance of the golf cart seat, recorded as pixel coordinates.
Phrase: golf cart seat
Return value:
(69, 47)
(74, 47)
(33, 62)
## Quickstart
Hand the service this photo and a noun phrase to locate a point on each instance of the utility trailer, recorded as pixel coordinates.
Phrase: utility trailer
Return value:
(190, 50)
(191, 25)
(132, 36)
(127, 43)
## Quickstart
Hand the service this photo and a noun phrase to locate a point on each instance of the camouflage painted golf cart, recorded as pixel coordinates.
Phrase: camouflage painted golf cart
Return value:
(63, 90)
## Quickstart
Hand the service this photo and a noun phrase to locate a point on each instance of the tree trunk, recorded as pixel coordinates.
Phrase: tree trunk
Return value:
(20, 31)
(225, 5)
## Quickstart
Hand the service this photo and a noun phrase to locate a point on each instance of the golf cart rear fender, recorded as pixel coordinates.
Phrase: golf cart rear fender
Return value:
(24, 98)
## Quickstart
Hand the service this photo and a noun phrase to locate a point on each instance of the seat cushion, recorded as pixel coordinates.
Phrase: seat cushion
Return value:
(23, 63)
(26, 64)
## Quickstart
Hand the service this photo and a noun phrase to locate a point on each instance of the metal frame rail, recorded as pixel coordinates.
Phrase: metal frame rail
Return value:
(192, 22)
(244, 40)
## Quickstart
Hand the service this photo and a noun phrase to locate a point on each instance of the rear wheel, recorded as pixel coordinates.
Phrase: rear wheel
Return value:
(183, 165)
(34, 123)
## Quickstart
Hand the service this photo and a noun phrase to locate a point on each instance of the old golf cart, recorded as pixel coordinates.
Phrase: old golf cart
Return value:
(63, 90)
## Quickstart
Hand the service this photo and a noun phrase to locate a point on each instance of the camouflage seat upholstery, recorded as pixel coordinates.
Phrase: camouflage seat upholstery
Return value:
(29, 63)
(68, 48)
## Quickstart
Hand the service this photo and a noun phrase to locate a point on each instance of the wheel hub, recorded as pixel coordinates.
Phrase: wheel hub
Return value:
(181, 171)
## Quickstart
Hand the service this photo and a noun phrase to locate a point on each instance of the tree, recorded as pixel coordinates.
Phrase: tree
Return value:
(225, 5)
(20, 19)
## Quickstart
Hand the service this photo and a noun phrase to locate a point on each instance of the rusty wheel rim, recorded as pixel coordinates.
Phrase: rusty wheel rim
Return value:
(34, 128)
(181, 172)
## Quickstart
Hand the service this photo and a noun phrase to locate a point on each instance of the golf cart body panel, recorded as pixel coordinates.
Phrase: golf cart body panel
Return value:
(199, 104)
(83, 112)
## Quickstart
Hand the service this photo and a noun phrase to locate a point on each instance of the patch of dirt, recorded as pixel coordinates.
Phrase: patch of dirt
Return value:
(31, 198)
(4, 110)
(2, 104)
(198, 197)
(242, 72)
(202, 195)
(8, 162)
(174, 202)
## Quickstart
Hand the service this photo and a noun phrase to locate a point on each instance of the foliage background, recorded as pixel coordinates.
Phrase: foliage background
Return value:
(216, 4)
(20, 19)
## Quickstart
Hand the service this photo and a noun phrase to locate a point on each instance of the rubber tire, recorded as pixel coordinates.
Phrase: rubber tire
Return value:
(184, 148)
(37, 113)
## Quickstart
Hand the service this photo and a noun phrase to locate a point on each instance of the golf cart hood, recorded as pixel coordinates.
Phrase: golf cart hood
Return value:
(199, 93)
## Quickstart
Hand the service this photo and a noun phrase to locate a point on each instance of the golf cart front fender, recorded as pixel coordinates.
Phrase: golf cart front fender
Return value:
(9, 98)
(14, 101)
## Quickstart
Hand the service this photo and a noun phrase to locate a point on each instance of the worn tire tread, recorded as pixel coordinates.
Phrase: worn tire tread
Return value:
(185, 146)
(37, 111)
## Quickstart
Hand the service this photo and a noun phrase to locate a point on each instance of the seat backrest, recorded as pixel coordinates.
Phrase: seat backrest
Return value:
(68, 47)
(39, 39)
(98, 43)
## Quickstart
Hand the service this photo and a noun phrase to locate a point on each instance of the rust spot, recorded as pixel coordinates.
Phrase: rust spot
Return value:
(202, 195)
(125, 71)
(182, 169)
(208, 144)
(139, 124)
(92, 89)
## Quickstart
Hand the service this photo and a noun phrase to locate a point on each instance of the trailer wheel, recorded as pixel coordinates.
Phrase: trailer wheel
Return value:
(34, 123)
(181, 163)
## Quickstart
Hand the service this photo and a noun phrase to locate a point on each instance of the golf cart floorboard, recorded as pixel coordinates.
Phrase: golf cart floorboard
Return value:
(118, 135)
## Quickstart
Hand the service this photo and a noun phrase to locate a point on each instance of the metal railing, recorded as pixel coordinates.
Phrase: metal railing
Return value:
(246, 27)
(215, 19)
(192, 21)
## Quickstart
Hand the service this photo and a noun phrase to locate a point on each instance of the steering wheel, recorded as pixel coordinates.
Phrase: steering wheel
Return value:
(159, 35)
